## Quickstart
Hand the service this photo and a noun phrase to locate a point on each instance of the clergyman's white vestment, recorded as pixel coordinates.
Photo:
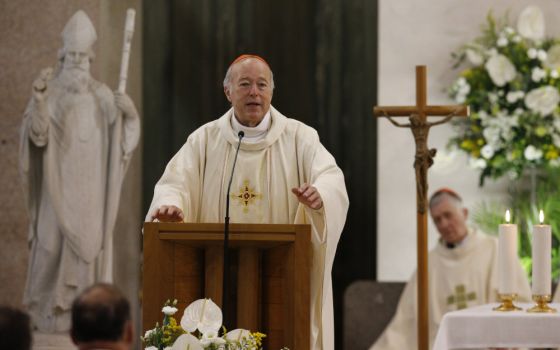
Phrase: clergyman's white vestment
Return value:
(462, 277)
(290, 155)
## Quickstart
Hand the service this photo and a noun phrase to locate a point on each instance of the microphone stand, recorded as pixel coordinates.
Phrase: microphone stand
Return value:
(226, 234)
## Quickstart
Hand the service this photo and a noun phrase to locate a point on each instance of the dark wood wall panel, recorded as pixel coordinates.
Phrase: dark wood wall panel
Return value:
(324, 57)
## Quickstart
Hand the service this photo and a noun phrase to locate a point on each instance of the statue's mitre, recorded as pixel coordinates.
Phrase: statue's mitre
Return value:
(79, 33)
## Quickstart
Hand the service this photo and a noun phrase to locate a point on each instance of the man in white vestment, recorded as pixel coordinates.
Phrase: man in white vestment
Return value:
(462, 270)
(283, 175)
(77, 138)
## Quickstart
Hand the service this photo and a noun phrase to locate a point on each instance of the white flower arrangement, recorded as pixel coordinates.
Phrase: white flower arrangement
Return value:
(512, 85)
(198, 330)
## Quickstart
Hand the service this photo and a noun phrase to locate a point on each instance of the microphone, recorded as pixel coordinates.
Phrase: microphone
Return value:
(241, 134)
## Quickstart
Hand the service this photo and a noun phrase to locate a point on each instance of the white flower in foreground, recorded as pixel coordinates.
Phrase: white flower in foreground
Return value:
(169, 310)
(211, 338)
(477, 163)
(148, 333)
(554, 74)
(516, 39)
(487, 151)
(474, 57)
(532, 153)
(538, 74)
(502, 41)
(202, 314)
(514, 96)
(530, 23)
(237, 335)
(509, 30)
(187, 341)
(532, 53)
(542, 55)
(553, 57)
(500, 69)
(543, 100)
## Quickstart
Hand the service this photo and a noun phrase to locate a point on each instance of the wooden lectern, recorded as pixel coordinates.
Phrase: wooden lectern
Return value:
(271, 266)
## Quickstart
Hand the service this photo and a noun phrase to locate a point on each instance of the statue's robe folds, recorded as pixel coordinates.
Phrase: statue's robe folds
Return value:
(290, 155)
(73, 163)
(462, 277)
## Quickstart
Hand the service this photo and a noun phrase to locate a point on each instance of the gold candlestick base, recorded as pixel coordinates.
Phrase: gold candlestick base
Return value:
(507, 303)
(542, 304)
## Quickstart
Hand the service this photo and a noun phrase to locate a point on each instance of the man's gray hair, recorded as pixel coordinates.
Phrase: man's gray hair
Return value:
(227, 79)
(443, 194)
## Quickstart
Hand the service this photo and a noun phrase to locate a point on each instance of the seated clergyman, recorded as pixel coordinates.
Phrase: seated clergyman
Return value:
(463, 272)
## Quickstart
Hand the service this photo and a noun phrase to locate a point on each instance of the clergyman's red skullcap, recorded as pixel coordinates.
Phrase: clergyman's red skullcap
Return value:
(246, 56)
(448, 191)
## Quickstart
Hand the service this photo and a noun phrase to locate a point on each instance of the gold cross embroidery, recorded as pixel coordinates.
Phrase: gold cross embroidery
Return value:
(246, 196)
(461, 297)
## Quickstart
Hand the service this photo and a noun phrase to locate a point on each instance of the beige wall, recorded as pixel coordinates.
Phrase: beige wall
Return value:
(29, 41)
(425, 32)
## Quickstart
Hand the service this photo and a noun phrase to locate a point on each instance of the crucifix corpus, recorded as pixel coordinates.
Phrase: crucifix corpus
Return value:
(423, 159)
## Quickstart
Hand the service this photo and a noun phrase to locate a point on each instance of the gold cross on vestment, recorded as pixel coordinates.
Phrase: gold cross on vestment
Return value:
(246, 196)
(423, 159)
(461, 297)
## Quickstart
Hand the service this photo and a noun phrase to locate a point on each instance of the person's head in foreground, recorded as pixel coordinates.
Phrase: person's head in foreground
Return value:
(101, 319)
(449, 215)
(15, 329)
(248, 85)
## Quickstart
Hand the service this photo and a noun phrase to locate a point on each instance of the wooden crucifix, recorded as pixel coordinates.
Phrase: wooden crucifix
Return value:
(423, 159)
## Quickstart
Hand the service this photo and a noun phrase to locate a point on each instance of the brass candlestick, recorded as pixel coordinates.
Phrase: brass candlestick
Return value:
(542, 304)
(507, 302)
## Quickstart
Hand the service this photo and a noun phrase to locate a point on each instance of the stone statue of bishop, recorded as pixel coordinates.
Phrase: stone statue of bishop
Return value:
(77, 138)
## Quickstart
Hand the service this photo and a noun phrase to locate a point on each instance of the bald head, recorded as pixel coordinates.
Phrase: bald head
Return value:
(248, 86)
(99, 313)
(228, 77)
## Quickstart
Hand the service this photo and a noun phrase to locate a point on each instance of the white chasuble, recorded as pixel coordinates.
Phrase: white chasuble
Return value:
(290, 155)
(462, 277)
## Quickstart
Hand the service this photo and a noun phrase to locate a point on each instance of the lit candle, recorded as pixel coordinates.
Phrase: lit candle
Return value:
(507, 256)
(542, 240)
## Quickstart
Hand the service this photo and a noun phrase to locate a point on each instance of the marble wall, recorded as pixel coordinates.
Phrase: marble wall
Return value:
(29, 41)
(413, 33)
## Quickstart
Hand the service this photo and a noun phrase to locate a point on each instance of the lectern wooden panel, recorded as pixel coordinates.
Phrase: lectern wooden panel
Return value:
(271, 262)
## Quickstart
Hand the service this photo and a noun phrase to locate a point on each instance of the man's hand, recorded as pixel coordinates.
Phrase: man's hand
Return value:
(309, 196)
(125, 104)
(168, 213)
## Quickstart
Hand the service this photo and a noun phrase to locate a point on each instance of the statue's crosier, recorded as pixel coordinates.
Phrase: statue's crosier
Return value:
(77, 139)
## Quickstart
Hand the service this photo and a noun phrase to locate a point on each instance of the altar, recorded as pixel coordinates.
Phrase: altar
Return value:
(481, 327)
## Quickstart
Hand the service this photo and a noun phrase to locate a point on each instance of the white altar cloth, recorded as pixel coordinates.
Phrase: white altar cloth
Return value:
(481, 327)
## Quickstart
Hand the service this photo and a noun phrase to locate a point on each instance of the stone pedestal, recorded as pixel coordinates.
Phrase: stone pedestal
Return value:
(57, 341)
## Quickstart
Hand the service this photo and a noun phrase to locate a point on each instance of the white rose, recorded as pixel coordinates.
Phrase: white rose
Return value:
(532, 53)
(542, 100)
(553, 57)
(502, 41)
(530, 23)
(477, 163)
(537, 74)
(542, 55)
(148, 333)
(513, 96)
(169, 310)
(500, 69)
(532, 153)
(474, 57)
(487, 151)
